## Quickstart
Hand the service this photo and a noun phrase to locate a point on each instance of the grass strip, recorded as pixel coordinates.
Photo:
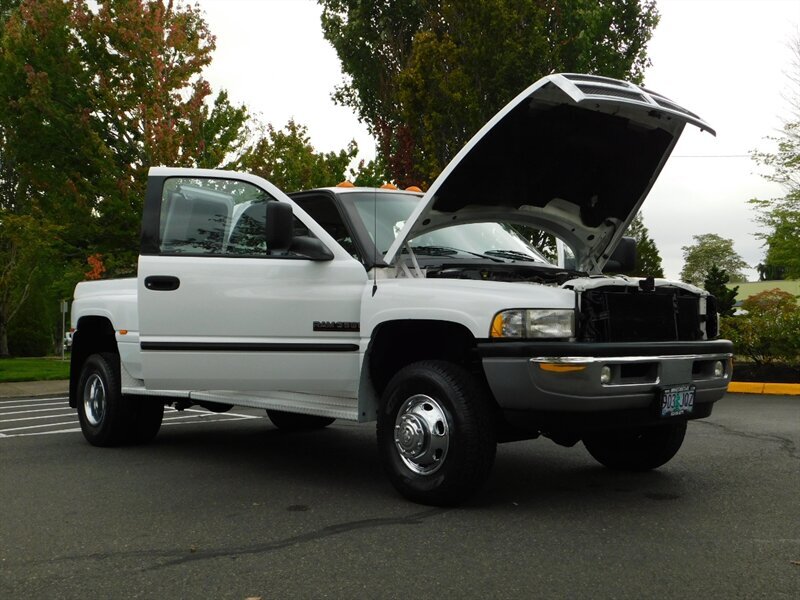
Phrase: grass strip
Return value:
(33, 369)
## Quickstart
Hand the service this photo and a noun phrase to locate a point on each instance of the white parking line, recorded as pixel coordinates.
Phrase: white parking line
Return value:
(180, 417)
(69, 414)
(172, 416)
(13, 435)
(33, 399)
(38, 410)
(4, 407)
(37, 426)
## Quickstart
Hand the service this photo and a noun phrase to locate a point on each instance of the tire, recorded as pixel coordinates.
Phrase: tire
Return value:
(638, 450)
(436, 433)
(147, 417)
(104, 413)
(296, 422)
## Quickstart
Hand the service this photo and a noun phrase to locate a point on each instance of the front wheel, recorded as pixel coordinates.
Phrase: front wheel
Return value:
(436, 433)
(637, 450)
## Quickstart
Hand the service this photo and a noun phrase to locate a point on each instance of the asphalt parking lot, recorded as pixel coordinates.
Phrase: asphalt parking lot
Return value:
(226, 506)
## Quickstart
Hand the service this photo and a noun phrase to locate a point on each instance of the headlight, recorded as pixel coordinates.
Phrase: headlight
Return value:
(533, 323)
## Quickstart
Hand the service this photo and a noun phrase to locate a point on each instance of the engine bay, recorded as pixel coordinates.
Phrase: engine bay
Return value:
(515, 273)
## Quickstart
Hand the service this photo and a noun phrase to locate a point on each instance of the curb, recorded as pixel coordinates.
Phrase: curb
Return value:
(34, 389)
(752, 387)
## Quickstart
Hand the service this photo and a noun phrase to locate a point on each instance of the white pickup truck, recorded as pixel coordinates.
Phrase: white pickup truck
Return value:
(429, 314)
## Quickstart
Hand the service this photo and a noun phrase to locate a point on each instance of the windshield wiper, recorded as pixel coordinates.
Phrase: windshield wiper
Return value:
(447, 251)
(512, 254)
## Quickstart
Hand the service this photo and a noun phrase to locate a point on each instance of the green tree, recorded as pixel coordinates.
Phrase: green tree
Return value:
(36, 327)
(781, 216)
(373, 41)
(96, 96)
(710, 250)
(426, 75)
(286, 158)
(24, 250)
(150, 102)
(770, 272)
(714, 284)
(51, 157)
(369, 173)
(648, 259)
(91, 95)
(43, 176)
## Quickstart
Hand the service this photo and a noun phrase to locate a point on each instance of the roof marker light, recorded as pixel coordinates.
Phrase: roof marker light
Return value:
(345, 183)
(388, 186)
(413, 188)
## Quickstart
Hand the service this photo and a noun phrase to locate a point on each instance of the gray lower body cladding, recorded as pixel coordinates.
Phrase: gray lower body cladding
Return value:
(565, 377)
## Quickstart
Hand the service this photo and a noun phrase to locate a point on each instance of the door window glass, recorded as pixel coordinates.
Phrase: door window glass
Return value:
(212, 216)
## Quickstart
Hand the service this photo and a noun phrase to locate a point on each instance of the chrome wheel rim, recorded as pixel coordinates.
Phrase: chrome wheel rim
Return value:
(422, 434)
(94, 399)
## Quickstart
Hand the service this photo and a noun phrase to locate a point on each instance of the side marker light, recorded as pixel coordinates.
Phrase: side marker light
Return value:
(559, 368)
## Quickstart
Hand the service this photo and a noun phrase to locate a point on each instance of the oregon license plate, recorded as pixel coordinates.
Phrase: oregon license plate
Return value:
(677, 400)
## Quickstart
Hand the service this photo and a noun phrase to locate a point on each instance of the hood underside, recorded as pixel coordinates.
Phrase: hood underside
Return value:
(574, 155)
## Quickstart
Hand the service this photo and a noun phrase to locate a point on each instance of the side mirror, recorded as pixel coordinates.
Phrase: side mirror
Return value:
(623, 259)
(279, 226)
(311, 248)
(280, 234)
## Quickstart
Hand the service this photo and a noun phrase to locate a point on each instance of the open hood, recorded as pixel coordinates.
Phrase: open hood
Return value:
(575, 155)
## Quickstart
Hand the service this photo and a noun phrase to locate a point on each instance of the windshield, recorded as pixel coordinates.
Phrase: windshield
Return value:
(495, 241)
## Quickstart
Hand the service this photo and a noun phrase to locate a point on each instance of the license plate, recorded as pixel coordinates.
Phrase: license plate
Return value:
(677, 400)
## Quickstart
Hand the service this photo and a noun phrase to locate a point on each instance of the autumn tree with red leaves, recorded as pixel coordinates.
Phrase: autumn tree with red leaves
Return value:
(91, 95)
(99, 92)
(97, 267)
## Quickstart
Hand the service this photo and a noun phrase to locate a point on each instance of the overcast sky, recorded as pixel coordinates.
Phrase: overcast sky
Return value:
(725, 60)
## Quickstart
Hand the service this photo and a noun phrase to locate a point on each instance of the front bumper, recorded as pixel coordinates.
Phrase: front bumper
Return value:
(564, 377)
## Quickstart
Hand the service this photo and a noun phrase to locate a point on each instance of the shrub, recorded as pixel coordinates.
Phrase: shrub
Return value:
(770, 330)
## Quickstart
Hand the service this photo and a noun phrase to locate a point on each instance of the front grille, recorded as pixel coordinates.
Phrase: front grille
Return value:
(633, 315)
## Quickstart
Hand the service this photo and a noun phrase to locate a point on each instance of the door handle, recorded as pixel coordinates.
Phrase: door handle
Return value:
(162, 283)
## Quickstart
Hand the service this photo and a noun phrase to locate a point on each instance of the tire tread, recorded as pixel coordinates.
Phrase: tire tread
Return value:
(642, 450)
(476, 435)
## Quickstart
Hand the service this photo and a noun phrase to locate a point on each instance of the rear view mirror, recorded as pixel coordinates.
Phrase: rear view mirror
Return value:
(311, 248)
(623, 259)
(280, 235)
(279, 226)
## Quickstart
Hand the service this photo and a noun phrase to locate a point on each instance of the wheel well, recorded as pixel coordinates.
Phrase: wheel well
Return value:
(93, 334)
(399, 343)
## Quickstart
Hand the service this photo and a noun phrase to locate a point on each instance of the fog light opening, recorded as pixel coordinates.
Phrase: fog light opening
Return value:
(719, 369)
(605, 375)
